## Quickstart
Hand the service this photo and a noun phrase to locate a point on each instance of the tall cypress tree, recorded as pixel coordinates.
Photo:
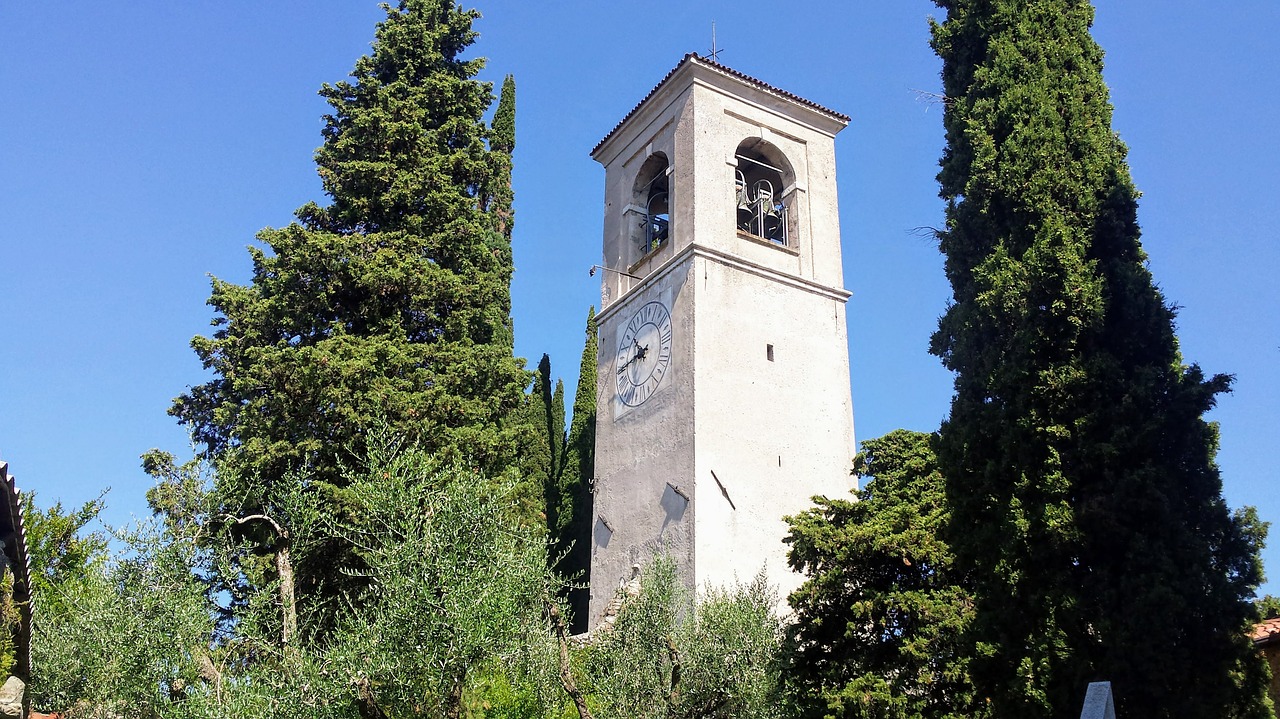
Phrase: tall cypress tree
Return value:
(1086, 504)
(573, 517)
(391, 304)
(501, 196)
(562, 464)
(539, 422)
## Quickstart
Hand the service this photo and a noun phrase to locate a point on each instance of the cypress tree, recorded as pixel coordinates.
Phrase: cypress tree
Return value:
(555, 429)
(391, 304)
(502, 144)
(502, 140)
(879, 618)
(532, 452)
(573, 517)
(1086, 504)
(540, 424)
(562, 465)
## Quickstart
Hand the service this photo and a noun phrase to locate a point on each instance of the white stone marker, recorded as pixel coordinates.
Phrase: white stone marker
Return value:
(1097, 702)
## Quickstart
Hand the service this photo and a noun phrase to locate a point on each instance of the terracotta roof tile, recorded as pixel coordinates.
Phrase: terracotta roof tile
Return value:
(1267, 631)
(695, 57)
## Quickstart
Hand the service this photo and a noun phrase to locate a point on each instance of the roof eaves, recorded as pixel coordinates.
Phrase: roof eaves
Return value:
(760, 84)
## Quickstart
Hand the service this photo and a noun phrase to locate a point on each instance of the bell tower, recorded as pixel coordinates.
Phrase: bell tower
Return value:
(723, 399)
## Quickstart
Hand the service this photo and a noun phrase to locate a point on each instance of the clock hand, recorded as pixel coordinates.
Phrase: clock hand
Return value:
(625, 365)
(641, 353)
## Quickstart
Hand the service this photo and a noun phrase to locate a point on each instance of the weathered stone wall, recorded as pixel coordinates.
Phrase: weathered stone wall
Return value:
(1272, 653)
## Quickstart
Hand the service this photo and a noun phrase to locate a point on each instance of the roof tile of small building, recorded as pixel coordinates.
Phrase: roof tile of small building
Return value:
(1267, 631)
(695, 57)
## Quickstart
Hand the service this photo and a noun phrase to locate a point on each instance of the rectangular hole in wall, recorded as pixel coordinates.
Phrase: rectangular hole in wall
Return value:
(768, 352)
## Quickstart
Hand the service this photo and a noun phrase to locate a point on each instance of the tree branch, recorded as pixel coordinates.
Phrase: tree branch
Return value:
(284, 568)
(566, 673)
(368, 706)
(934, 98)
(284, 534)
(208, 671)
(673, 695)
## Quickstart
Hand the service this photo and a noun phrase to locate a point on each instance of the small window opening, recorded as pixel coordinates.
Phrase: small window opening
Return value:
(768, 351)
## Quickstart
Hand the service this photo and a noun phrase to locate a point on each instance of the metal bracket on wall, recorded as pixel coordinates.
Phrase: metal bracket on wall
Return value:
(724, 491)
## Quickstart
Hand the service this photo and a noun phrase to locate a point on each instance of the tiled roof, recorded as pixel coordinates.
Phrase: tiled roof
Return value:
(695, 57)
(1267, 631)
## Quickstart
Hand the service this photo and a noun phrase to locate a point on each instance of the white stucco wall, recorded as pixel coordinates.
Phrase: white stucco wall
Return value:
(770, 434)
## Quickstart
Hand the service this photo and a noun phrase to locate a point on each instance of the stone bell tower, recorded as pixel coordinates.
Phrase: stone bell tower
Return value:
(723, 399)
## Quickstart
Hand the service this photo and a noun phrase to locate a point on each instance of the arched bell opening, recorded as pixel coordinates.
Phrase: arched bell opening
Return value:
(651, 205)
(761, 178)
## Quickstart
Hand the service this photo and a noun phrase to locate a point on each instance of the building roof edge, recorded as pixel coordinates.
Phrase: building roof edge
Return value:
(694, 57)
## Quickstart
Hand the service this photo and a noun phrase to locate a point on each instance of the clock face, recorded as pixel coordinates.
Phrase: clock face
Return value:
(644, 353)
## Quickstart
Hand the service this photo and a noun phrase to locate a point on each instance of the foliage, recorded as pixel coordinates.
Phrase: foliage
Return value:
(122, 635)
(667, 656)
(450, 587)
(878, 619)
(65, 559)
(236, 551)
(1086, 505)
(454, 622)
(453, 586)
(59, 548)
(1268, 606)
(10, 621)
(390, 304)
(540, 423)
(502, 141)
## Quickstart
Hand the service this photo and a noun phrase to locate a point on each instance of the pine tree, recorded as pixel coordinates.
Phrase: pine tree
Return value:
(391, 304)
(1085, 498)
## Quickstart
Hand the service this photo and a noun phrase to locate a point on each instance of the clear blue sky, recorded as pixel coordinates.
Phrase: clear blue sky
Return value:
(143, 143)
